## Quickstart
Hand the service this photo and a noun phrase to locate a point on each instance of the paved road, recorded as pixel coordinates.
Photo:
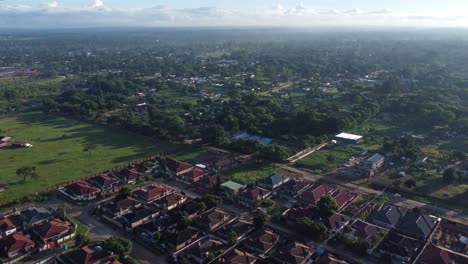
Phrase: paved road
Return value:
(401, 201)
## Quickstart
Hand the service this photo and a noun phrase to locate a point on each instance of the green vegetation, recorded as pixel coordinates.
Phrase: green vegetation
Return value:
(65, 149)
(251, 173)
(81, 229)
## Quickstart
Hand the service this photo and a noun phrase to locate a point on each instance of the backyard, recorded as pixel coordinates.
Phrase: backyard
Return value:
(65, 149)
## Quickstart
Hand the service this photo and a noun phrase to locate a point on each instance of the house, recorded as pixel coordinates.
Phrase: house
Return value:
(349, 138)
(315, 193)
(437, 255)
(388, 215)
(296, 213)
(152, 192)
(273, 181)
(262, 241)
(224, 164)
(129, 176)
(52, 231)
(89, 254)
(137, 217)
(177, 167)
(250, 196)
(171, 201)
(116, 209)
(182, 238)
(212, 219)
(15, 246)
(192, 176)
(370, 166)
(231, 188)
(6, 227)
(242, 227)
(364, 230)
(295, 187)
(237, 256)
(201, 250)
(417, 225)
(336, 221)
(343, 198)
(293, 253)
(81, 191)
(401, 248)
(212, 181)
(328, 258)
(105, 183)
(35, 216)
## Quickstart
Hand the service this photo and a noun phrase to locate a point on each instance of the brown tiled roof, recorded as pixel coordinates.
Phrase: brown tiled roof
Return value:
(236, 256)
(52, 228)
(82, 188)
(131, 174)
(343, 197)
(104, 180)
(264, 241)
(315, 193)
(307, 211)
(177, 166)
(6, 225)
(88, 254)
(195, 173)
(330, 259)
(295, 253)
(336, 221)
(437, 255)
(365, 230)
(15, 242)
(152, 191)
(171, 199)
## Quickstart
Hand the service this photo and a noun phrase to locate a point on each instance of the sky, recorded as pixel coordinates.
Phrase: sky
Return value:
(219, 13)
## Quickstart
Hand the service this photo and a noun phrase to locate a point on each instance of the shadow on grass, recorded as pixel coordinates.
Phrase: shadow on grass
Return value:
(93, 135)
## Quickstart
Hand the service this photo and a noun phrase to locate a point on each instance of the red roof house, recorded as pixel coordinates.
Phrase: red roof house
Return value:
(15, 245)
(152, 192)
(82, 191)
(315, 193)
(437, 255)
(6, 227)
(178, 167)
(129, 176)
(192, 176)
(52, 231)
(343, 198)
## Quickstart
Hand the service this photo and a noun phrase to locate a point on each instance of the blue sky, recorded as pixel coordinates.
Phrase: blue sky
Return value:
(305, 13)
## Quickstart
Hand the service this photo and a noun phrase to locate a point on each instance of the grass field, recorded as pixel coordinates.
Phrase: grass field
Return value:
(65, 149)
(252, 173)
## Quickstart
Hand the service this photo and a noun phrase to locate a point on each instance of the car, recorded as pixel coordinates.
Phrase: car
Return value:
(397, 195)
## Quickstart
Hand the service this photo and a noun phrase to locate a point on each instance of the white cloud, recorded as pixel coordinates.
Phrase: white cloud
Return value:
(98, 14)
(98, 3)
(53, 4)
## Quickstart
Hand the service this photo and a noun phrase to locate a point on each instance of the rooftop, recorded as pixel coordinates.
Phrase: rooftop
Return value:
(348, 136)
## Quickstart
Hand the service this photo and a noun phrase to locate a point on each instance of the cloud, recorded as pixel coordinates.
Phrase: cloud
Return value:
(98, 3)
(53, 4)
(100, 14)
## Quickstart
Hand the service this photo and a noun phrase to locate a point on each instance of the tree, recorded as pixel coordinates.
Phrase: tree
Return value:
(312, 229)
(211, 200)
(232, 237)
(459, 155)
(118, 245)
(410, 183)
(259, 219)
(216, 135)
(81, 239)
(182, 219)
(124, 192)
(27, 171)
(449, 175)
(327, 205)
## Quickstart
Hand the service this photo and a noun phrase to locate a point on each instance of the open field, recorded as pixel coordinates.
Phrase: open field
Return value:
(251, 173)
(65, 149)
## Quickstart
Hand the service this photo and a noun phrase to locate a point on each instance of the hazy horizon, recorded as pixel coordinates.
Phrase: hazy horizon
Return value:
(209, 13)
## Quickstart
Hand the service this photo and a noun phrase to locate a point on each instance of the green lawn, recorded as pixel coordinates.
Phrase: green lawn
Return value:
(252, 173)
(332, 156)
(65, 149)
(81, 229)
